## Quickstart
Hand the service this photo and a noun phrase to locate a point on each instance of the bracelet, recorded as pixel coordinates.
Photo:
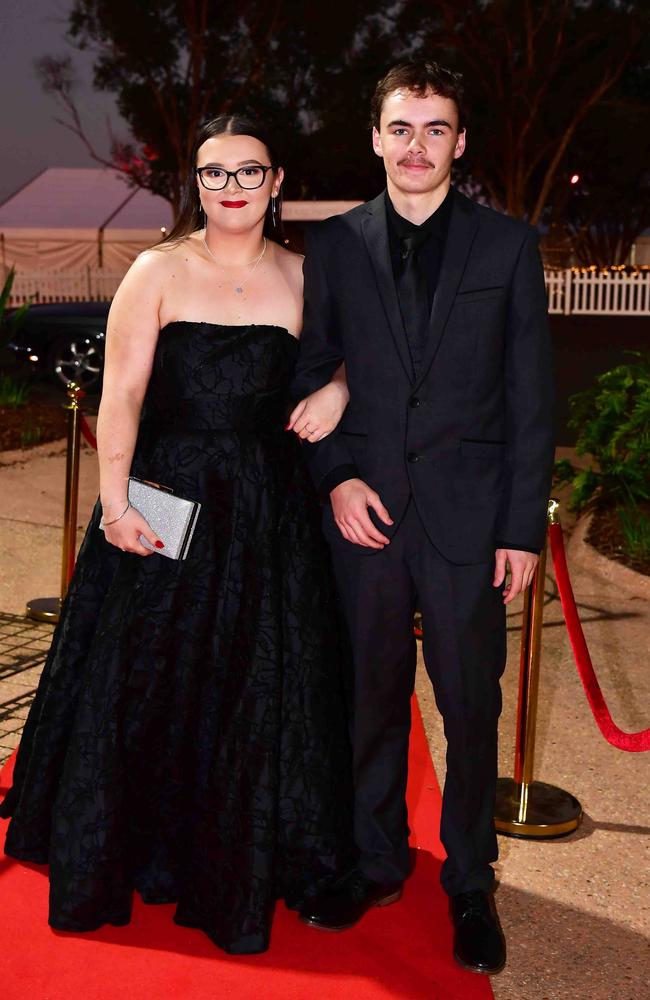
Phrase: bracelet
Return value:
(118, 518)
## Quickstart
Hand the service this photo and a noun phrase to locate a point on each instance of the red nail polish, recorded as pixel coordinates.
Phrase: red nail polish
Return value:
(160, 545)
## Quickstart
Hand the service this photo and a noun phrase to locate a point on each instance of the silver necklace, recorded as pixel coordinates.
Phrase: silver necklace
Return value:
(255, 261)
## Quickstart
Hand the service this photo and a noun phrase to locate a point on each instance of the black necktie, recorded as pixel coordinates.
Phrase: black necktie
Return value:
(412, 294)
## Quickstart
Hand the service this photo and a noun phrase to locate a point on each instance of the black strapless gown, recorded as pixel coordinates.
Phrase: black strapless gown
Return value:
(189, 737)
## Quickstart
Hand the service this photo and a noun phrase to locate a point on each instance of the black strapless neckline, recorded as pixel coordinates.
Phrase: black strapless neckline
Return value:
(229, 326)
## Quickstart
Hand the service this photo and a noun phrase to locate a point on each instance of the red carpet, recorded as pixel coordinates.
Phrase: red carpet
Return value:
(403, 950)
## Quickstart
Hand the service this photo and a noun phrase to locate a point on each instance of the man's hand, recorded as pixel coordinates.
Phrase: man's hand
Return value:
(522, 569)
(350, 502)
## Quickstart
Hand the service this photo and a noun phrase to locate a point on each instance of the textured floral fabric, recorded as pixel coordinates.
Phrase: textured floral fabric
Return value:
(189, 736)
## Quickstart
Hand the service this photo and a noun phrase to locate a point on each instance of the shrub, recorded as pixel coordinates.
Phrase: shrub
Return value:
(31, 435)
(10, 320)
(613, 424)
(13, 391)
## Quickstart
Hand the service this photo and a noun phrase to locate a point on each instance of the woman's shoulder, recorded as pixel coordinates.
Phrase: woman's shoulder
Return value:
(289, 261)
(163, 256)
(153, 268)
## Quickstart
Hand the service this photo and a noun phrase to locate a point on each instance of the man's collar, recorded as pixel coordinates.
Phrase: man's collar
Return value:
(435, 225)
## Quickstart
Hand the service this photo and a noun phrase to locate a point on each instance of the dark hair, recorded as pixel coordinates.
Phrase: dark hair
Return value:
(189, 216)
(419, 77)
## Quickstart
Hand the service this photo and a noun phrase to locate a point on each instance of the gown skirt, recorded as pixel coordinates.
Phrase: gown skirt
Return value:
(189, 737)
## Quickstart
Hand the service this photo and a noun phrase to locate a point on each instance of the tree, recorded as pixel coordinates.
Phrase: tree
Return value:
(534, 70)
(537, 74)
(609, 205)
(173, 63)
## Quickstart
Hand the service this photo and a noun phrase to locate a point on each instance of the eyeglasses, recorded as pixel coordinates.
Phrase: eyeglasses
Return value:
(248, 178)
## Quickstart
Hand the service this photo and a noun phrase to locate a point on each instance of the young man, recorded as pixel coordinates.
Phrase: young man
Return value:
(437, 480)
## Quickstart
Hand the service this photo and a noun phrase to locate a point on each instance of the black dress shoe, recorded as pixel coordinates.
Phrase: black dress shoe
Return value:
(479, 944)
(343, 903)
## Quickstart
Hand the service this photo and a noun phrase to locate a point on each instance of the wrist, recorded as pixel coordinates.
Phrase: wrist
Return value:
(113, 503)
(345, 485)
(340, 389)
(111, 517)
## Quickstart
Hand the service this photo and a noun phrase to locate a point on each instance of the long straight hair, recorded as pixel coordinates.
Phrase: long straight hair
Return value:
(190, 215)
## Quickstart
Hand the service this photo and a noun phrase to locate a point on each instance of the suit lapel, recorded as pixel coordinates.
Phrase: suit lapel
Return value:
(463, 224)
(375, 233)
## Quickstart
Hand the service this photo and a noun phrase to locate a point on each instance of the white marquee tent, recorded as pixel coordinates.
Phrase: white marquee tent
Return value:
(68, 219)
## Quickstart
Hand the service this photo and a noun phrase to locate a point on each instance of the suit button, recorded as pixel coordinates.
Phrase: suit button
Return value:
(413, 456)
(414, 401)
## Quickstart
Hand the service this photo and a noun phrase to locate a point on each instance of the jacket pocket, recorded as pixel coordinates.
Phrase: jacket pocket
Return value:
(478, 294)
(494, 450)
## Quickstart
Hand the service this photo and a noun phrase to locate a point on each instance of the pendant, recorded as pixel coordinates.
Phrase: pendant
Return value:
(239, 291)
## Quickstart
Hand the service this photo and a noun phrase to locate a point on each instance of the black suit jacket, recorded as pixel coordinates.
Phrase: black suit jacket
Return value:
(471, 438)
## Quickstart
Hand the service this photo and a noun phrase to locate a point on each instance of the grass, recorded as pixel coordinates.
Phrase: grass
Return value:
(31, 435)
(635, 525)
(13, 391)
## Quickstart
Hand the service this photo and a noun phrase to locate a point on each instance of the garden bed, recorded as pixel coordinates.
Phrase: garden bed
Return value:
(605, 534)
(31, 424)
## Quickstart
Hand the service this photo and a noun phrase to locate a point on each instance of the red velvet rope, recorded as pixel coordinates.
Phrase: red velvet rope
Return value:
(632, 742)
(87, 433)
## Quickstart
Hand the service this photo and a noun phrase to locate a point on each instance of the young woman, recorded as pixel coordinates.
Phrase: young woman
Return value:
(188, 738)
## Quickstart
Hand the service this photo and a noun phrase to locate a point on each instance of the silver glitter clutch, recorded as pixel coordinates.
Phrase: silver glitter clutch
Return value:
(172, 518)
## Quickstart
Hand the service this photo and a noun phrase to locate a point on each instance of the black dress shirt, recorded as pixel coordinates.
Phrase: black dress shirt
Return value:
(431, 236)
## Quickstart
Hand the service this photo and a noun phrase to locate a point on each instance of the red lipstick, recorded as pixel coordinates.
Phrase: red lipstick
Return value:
(234, 204)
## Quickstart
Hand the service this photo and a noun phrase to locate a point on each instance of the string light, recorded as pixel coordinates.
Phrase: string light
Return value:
(632, 270)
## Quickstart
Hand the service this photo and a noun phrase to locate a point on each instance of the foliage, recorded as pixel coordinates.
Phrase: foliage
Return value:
(613, 424)
(31, 435)
(610, 205)
(9, 321)
(13, 392)
(537, 73)
(635, 526)
(533, 71)
(175, 63)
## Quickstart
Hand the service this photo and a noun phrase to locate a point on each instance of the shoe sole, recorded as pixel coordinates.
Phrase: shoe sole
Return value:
(384, 901)
(481, 970)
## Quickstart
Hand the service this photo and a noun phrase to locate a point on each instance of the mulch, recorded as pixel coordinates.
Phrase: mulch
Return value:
(32, 424)
(606, 536)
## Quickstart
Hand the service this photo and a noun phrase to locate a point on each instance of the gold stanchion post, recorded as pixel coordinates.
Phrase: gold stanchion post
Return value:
(48, 608)
(524, 807)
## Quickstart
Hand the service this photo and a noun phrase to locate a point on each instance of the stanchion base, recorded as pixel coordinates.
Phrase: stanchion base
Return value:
(44, 609)
(535, 811)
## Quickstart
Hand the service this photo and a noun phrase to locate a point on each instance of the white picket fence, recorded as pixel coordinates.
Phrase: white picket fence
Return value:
(88, 285)
(598, 293)
(570, 292)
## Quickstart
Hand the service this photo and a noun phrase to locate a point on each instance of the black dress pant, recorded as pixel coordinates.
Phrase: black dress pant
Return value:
(464, 651)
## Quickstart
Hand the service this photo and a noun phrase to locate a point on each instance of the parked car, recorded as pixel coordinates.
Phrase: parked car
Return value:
(65, 340)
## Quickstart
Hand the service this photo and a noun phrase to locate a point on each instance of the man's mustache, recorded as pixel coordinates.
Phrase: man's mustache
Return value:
(416, 160)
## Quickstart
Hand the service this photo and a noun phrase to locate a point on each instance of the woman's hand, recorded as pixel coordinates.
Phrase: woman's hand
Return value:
(125, 534)
(316, 416)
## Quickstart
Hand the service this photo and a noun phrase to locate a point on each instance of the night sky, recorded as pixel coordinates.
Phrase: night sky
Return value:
(30, 138)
